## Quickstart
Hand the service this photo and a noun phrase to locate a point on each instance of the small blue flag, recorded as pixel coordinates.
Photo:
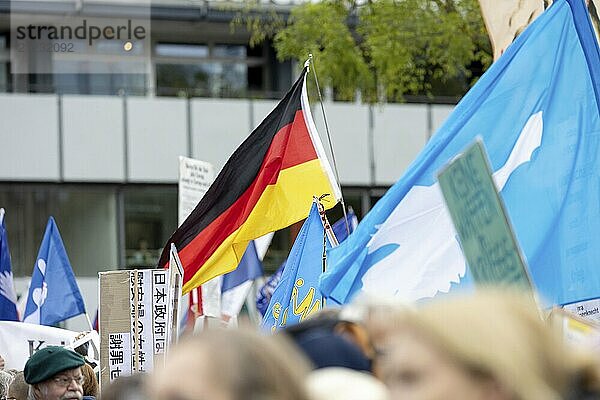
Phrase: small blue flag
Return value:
(297, 296)
(249, 269)
(537, 111)
(53, 293)
(266, 291)
(238, 283)
(8, 296)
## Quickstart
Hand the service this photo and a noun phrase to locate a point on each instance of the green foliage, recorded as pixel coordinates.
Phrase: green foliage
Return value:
(321, 29)
(387, 48)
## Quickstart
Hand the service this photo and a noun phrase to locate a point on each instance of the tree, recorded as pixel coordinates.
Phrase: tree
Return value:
(385, 48)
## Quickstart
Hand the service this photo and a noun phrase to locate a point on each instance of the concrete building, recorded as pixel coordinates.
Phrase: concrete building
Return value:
(99, 151)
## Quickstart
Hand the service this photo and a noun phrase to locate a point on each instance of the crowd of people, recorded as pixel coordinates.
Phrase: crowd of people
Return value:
(489, 345)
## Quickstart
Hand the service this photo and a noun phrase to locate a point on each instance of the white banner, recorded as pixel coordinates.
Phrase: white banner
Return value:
(141, 326)
(589, 309)
(195, 177)
(19, 340)
(160, 291)
(119, 355)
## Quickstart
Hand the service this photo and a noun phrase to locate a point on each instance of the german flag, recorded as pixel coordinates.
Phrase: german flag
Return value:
(266, 185)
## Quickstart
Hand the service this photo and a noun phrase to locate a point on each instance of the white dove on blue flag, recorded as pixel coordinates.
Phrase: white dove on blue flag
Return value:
(8, 296)
(537, 111)
(53, 293)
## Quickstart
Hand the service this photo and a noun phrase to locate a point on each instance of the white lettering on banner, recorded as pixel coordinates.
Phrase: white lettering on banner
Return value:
(159, 307)
(119, 355)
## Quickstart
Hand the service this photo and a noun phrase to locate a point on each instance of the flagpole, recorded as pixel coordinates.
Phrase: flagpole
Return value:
(1, 215)
(337, 175)
(89, 321)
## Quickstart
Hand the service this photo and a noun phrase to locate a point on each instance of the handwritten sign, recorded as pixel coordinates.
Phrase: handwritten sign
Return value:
(195, 177)
(486, 237)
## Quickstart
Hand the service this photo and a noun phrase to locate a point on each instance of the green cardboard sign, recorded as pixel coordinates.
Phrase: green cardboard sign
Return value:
(486, 237)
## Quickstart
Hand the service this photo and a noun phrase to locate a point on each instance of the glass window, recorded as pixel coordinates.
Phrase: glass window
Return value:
(205, 79)
(86, 218)
(177, 79)
(229, 51)
(75, 80)
(181, 50)
(150, 219)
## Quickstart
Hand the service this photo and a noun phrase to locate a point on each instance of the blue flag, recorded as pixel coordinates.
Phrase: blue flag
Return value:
(297, 296)
(250, 268)
(237, 284)
(53, 293)
(537, 111)
(8, 296)
(263, 298)
(266, 291)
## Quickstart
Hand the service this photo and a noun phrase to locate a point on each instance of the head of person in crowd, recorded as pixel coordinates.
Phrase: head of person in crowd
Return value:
(2, 362)
(490, 345)
(231, 365)
(329, 339)
(131, 387)
(18, 388)
(90, 382)
(6, 379)
(336, 383)
(54, 373)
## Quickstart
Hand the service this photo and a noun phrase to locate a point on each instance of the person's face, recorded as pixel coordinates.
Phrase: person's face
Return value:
(66, 385)
(414, 370)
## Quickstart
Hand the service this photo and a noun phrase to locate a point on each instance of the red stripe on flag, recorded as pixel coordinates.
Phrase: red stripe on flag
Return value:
(291, 146)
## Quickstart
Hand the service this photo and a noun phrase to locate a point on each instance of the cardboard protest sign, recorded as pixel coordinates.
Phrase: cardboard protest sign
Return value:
(114, 319)
(134, 317)
(478, 214)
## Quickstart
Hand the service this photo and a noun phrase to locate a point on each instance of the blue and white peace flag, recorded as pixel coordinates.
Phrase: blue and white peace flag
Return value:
(53, 293)
(297, 296)
(537, 111)
(8, 296)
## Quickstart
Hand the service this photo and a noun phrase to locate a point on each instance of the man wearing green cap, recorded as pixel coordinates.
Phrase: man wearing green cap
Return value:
(54, 373)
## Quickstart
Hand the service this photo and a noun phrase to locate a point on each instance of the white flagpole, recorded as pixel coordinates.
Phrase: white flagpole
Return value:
(1, 215)
(335, 168)
(88, 321)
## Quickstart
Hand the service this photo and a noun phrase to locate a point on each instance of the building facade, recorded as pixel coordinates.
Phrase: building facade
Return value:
(100, 152)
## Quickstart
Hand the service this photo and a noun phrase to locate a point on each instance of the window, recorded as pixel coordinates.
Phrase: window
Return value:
(207, 70)
(150, 219)
(86, 218)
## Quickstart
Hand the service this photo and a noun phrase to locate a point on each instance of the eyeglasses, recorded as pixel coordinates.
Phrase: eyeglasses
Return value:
(65, 381)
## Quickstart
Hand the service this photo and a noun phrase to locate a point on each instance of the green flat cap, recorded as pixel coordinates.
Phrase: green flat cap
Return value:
(49, 361)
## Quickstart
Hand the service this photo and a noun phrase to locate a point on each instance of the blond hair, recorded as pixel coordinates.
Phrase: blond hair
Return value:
(501, 336)
(248, 366)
